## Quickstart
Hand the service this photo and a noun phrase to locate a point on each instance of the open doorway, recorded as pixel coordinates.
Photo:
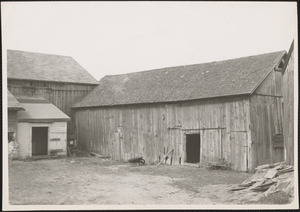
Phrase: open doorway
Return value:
(39, 141)
(193, 148)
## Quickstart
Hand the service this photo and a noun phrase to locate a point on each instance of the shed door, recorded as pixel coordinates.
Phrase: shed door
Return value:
(39, 140)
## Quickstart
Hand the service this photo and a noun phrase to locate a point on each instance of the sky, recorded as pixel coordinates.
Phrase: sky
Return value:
(108, 38)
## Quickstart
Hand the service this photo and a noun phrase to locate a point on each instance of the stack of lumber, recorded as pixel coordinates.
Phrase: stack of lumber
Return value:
(268, 179)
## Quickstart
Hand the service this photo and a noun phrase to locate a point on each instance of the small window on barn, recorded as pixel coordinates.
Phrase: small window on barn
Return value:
(11, 136)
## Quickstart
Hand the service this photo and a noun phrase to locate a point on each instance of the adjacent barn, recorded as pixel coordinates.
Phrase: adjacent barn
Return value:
(288, 110)
(228, 111)
(59, 79)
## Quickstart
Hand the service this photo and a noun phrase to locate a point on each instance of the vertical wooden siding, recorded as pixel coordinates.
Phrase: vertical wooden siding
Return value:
(151, 130)
(266, 120)
(288, 114)
(12, 120)
(62, 95)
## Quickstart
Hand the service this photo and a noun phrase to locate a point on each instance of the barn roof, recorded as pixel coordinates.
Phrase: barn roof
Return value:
(40, 111)
(207, 80)
(12, 102)
(46, 67)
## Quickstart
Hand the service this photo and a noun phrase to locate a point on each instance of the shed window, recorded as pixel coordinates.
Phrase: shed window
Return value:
(11, 136)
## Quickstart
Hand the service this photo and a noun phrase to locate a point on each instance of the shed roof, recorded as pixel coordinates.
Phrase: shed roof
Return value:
(207, 80)
(40, 111)
(46, 67)
(12, 102)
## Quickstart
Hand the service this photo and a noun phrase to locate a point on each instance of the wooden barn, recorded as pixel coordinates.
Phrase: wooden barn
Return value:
(228, 111)
(58, 79)
(288, 109)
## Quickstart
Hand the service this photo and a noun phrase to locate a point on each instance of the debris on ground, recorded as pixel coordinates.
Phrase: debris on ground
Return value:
(75, 151)
(137, 160)
(221, 164)
(269, 182)
(72, 161)
(100, 156)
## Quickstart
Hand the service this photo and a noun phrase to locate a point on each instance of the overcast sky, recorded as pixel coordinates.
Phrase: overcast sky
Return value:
(120, 37)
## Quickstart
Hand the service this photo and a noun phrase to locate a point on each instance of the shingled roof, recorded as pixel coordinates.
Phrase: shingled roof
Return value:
(46, 67)
(207, 80)
(13, 103)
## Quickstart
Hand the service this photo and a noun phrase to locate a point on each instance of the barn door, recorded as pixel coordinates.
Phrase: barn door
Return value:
(39, 141)
(193, 148)
(211, 145)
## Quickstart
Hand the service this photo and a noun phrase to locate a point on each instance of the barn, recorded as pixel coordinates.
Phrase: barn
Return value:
(288, 101)
(58, 79)
(229, 111)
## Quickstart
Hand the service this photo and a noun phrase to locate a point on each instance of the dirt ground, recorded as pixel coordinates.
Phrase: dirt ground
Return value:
(95, 181)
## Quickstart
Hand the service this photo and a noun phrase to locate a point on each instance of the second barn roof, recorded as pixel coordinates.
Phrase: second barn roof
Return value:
(190, 82)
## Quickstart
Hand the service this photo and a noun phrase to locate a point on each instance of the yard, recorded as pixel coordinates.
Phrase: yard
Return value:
(95, 181)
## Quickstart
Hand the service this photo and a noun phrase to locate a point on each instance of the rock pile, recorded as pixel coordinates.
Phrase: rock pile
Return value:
(268, 180)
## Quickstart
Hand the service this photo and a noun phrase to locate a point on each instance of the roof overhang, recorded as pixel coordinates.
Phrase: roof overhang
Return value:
(43, 120)
(49, 81)
(214, 98)
(15, 108)
(41, 112)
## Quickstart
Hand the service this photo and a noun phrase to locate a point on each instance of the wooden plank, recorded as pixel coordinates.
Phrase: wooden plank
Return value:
(164, 157)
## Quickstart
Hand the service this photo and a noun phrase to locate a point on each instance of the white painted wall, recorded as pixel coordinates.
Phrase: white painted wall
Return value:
(24, 139)
(57, 137)
(58, 130)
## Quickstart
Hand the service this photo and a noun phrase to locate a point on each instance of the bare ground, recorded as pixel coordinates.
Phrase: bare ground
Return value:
(94, 181)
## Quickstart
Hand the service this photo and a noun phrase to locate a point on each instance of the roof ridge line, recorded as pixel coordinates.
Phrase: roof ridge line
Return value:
(205, 63)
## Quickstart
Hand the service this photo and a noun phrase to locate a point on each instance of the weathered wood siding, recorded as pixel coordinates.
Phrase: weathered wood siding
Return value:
(62, 95)
(152, 130)
(266, 121)
(12, 121)
(288, 113)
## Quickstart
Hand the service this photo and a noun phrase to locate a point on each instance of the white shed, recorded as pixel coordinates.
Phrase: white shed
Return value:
(42, 129)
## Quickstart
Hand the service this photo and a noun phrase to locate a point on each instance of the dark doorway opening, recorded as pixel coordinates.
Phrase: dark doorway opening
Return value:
(193, 148)
(39, 140)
